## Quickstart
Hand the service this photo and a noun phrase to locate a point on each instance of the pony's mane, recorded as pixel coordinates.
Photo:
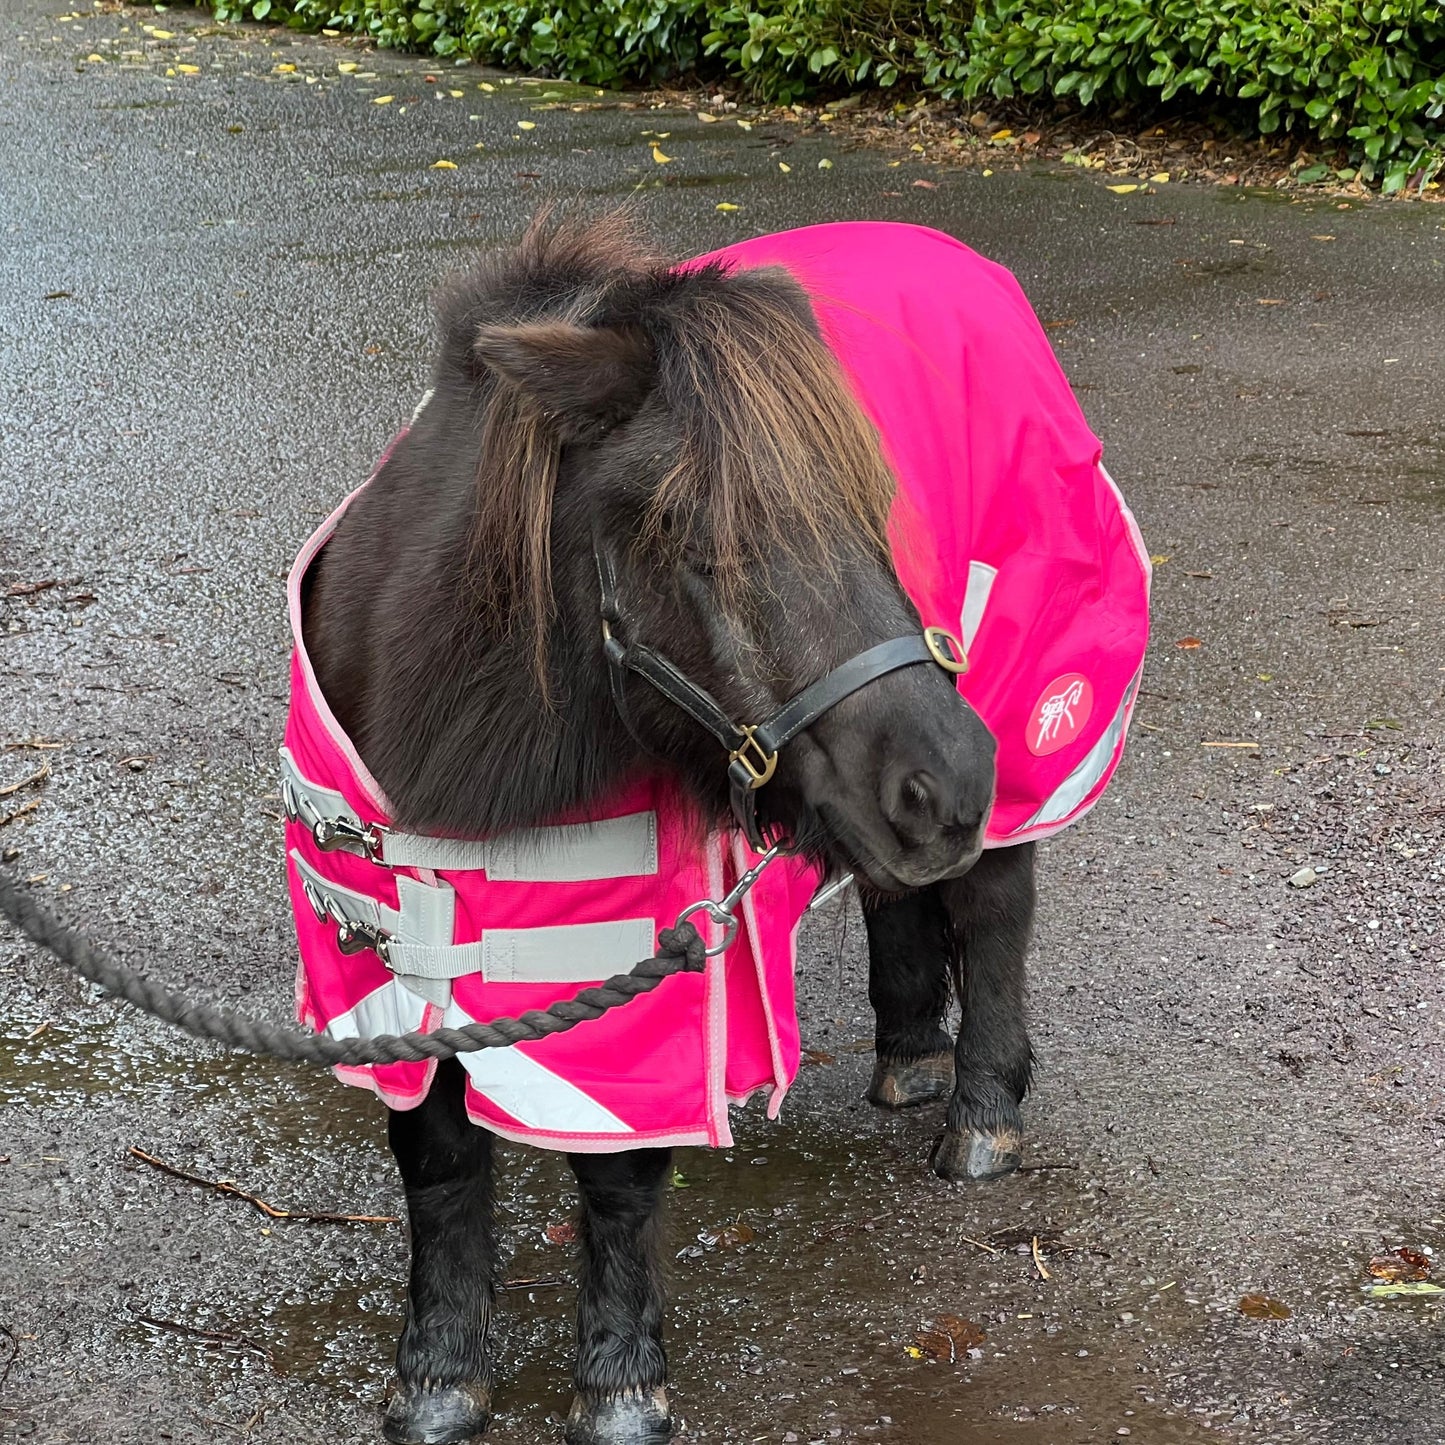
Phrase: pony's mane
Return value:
(773, 443)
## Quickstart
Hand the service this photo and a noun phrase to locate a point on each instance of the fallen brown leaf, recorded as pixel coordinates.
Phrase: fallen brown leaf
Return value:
(1402, 1263)
(947, 1338)
(1263, 1307)
(729, 1236)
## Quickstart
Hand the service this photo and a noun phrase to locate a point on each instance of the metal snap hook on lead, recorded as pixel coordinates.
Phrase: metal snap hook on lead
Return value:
(718, 914)
(724, 912)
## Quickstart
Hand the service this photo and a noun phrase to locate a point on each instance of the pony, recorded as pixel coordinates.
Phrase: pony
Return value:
(688, 426)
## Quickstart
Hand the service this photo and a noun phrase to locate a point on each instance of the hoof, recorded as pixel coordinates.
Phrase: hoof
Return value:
(976, 1156)
(904, 1086)
(639, 1417)
(442, 1415)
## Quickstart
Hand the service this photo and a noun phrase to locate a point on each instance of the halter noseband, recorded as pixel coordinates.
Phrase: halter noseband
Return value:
(753, 749)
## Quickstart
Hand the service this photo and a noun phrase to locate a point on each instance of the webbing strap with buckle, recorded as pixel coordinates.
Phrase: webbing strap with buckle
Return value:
(363, 922)
(336, 829)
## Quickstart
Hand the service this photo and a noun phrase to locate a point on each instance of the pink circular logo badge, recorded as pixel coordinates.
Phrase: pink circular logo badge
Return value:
(1060, 713)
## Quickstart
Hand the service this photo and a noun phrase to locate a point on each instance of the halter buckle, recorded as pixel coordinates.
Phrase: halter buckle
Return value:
(757, 775)
(955, 659)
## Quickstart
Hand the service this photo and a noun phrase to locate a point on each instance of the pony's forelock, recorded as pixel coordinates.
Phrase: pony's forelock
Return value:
(772, 443)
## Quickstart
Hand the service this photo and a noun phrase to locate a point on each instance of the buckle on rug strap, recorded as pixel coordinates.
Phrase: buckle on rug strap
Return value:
(353, 936)
(344, 835)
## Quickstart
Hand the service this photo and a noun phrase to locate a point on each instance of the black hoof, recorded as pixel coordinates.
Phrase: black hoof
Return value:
(442, 1415)
(639, 1417)
(976, 1156)
(904, 1086)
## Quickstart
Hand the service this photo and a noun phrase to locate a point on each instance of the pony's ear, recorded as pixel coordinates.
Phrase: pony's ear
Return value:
(585, 379)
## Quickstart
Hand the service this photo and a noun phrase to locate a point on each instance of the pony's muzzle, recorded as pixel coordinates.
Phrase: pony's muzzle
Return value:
(935, 813)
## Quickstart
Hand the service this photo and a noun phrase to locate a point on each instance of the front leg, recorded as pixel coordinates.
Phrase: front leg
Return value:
(908, 966)
(621, 1368)
(990, 912)
(443, 1390)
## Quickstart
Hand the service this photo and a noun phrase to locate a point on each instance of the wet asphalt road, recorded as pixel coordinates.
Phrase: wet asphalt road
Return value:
(1242, 1083)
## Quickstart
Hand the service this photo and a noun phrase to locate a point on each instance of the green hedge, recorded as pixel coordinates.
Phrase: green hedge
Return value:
(1364, 78)
(785, 49)
(1370, 76)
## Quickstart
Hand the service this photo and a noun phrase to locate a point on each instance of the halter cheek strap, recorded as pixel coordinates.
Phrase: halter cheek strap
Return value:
(753, 749)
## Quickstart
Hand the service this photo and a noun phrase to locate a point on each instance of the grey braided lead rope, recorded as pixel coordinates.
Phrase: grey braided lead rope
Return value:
(680, 950)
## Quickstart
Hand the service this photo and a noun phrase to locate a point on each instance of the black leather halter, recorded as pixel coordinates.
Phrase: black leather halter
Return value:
(753, 749)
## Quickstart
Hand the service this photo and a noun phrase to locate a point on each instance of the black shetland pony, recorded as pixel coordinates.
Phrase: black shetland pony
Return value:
(693, 423)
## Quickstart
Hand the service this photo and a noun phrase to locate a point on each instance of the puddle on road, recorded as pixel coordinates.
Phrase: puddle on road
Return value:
(805, 1326)
(281, 1109)
(836, 1251)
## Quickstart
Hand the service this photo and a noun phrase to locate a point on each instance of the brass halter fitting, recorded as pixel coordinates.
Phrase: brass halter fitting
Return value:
(751, 761)
(954, 659)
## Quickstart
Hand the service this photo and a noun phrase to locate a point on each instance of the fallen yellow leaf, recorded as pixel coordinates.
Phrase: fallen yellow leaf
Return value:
(101, 58)
(526, 125)
(169, 71)
(784, 167)
(658, 156)
(160, 34)
(332, 34)
(913, 1352)
(455, 94)
(997, 135)
(1123, 190)
(482, 85)
(443, 165)
(383, 99)
(347, 66)
(707, 119)
(1162, 179)
(725, 206)
(745, 124)
(825, 164)
(189, 69)
(986, 171)
(284, 69)
(1160, 558)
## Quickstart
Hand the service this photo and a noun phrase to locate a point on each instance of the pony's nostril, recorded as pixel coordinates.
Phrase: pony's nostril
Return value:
(913, 805)
(918, 792)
